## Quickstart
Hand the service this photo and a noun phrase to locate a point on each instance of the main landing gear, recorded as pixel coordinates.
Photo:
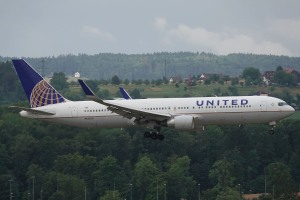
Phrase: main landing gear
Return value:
(154, 134)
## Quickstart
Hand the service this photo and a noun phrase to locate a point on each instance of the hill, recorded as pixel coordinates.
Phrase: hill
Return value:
(157, 65)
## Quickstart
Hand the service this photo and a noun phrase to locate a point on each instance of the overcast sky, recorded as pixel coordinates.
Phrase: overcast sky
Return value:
(37, 28)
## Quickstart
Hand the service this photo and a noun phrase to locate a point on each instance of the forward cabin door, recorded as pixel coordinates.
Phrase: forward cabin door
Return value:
(263, 106)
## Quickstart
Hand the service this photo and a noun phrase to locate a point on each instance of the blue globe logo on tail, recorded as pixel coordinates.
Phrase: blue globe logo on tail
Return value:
(38, 91)
(43, 94)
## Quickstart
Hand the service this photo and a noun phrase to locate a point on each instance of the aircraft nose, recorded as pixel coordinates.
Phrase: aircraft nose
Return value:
(292, 109)
(289, 109)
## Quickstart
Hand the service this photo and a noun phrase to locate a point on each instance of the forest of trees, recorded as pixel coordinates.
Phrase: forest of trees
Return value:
(156, 65)
(62, 162)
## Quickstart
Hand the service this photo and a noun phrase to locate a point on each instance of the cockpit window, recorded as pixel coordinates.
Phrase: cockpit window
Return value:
(282, 104)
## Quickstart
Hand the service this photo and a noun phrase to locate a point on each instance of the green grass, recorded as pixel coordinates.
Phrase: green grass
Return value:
(169, 90)
(296, 115)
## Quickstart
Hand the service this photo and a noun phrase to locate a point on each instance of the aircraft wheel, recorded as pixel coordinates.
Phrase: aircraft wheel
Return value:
(147, 134)
(271, 132)
(154, 136)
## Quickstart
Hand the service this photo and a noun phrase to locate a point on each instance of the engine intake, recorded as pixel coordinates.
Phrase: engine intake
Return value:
(182, 122)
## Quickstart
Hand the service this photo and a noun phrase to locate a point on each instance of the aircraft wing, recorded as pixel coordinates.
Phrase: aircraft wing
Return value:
(34, 111)
(125, 111)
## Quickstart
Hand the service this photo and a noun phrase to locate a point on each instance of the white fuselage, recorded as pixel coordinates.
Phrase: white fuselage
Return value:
(207, 110)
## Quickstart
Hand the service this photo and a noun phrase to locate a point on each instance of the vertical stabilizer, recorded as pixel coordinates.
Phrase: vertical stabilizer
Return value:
(38, 91)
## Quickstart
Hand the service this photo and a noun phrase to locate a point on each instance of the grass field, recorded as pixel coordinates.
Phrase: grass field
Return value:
(169, 90)
(296, 115)
(200, 90)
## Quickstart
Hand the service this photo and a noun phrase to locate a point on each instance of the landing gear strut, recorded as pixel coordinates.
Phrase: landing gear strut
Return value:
(271, 131)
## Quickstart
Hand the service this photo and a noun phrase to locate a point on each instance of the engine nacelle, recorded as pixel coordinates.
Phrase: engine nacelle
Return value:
(182, 122)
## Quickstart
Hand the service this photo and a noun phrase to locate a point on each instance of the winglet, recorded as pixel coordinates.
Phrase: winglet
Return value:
(125, 93)
(89, 93)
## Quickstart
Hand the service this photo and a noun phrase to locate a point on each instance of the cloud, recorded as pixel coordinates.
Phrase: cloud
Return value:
(225, 42)
(247, 44)
(194, 36)
(95, 32)
(160, 23)
(288, 29)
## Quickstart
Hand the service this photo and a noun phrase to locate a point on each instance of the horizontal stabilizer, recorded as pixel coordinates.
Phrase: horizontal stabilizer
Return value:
(34, 111)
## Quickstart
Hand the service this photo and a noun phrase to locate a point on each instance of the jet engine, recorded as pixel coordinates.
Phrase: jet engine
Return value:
(182, 122)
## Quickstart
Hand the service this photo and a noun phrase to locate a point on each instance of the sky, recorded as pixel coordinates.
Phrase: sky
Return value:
(42, 28)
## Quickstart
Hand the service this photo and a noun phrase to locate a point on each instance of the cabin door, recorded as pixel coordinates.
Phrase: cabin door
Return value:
(263, 106)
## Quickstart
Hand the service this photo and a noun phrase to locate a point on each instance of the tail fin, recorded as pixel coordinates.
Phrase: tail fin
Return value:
(38, 91)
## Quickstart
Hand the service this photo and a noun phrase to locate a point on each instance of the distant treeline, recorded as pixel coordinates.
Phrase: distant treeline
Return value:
(157, 65)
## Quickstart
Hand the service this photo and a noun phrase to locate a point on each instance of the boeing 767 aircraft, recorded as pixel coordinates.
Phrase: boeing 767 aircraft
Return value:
(193, 113)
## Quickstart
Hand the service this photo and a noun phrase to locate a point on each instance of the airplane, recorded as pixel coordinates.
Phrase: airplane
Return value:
(189, 114)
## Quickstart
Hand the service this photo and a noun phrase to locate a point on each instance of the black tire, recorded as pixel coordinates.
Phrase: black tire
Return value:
(153, 136)
(147, 134)
(271, 132)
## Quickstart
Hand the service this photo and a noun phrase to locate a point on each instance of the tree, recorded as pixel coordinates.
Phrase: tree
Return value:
(147, 82)
(221, 173)
(233, 90)
(252, 75)
(35, 172)
(115, 80)
(61, 186)
(126, 81)
(93, 84)
(279, 177)
(4, 159)
(104, 94)
(110, 176)
(23, 151)
(5, 186)
(111, 195)
(283, 78)
(135, 94)
(10, 87)
(179, 183)
(59, 81)
(76, 164)
(146, 175)
(234, 81)
(229, 194)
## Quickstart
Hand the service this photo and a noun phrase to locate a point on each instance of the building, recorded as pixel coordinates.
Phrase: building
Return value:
(77, 75)
(290, 70)
(268, 77)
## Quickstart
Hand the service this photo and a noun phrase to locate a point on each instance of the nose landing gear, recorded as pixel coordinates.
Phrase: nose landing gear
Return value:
(271, 131)
(272, 126)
